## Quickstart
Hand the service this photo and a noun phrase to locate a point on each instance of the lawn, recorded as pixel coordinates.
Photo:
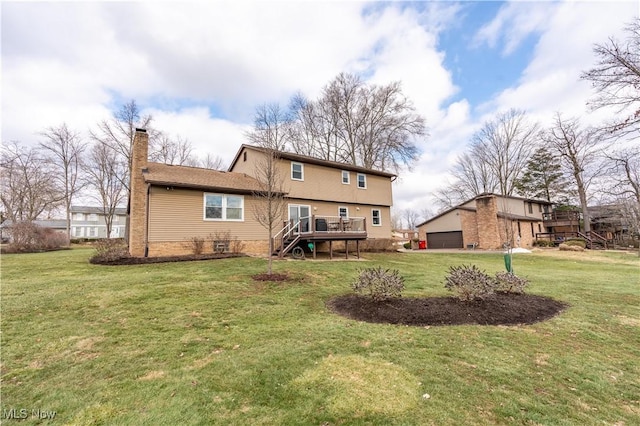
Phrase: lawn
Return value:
(202, 343)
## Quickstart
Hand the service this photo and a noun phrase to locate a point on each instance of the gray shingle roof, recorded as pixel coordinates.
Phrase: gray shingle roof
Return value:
(194, 177)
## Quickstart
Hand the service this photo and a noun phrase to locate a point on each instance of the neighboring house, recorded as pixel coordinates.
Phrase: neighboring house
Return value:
(404, 235)
(326, 202)
(486, 222)
(89, 222)
(609, 221)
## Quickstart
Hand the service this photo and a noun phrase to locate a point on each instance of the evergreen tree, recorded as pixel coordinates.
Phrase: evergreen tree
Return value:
(543, 178)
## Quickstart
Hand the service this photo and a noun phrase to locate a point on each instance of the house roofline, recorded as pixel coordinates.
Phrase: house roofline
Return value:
(208, 188)
(311, 160)
(488, 194)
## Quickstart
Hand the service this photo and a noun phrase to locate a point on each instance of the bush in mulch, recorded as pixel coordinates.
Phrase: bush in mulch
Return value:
(503, 309)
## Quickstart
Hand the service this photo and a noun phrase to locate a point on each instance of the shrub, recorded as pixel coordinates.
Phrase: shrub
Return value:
(568, 247)
(543, 243)
(469, 283)
(508, 282)
(27, 237)
(109, 250)
(379, 284)
(237, 246)
(196, 245)
(576, 242)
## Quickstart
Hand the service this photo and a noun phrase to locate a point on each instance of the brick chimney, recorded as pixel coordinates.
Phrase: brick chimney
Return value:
(139, 196)
(487, 215)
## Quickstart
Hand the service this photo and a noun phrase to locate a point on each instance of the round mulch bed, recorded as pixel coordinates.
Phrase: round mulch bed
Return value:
(503, 309)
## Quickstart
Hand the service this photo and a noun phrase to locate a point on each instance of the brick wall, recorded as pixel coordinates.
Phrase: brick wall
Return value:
(487, 219)
(177, 248)
(469, 222)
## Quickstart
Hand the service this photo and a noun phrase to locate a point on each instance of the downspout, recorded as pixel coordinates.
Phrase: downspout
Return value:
(146, 224)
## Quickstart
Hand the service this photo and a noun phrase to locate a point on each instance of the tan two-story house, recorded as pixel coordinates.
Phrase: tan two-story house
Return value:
(486, 221)
(324, 202)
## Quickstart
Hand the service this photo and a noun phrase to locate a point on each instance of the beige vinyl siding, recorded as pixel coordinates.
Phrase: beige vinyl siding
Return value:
(321, 182)
(178, 215)
(448, 222)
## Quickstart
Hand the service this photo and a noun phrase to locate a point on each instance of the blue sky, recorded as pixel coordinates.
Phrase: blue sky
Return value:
(200, 68)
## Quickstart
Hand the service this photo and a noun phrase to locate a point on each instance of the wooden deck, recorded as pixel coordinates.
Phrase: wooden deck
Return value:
(316, 229)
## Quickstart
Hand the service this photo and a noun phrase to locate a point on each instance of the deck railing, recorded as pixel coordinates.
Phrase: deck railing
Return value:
(561, 216)
(336, 225)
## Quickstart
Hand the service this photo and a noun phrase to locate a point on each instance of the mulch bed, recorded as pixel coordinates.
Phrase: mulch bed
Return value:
(271, 277)
(164, 259)
(503, 309)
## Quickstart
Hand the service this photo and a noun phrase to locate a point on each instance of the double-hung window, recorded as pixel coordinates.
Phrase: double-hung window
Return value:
(346, 178)
(297, 171)
(376, 217)
(343, 212)
(223, 207)
(362, 181)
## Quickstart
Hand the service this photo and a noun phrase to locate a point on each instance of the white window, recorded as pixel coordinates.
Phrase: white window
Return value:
(297, 171)
(362, 181)
(346, 177)
(78, 216)
(223, 207)
(116, 218)
(343, 212)
(376, 218)
(93, 217)
(92, 232)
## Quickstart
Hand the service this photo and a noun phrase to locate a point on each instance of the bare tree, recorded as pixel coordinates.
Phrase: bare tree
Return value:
(624, 173)
(616, 77)
(504, 146)
(355, 123)
(630, 212)
(178, 151)
(579, 149)
(494, 160)
(411, 217)
(269, 133)
(27, 187)
(118, 133)
(450, 195)
(65, 148)
(103, 171)
(396, 221)
(212, 162)
(474, 175)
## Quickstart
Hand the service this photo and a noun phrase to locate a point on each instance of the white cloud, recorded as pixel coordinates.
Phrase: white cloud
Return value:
(201, 68)
(514, 22)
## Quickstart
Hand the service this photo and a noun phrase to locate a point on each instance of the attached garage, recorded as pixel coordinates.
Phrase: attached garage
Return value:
(451, 239)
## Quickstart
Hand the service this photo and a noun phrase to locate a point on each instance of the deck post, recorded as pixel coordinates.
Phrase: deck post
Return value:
(330, 250)
(346, 249)
(358, 248)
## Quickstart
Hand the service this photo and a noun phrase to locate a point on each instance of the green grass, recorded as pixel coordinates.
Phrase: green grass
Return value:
(201, 343)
